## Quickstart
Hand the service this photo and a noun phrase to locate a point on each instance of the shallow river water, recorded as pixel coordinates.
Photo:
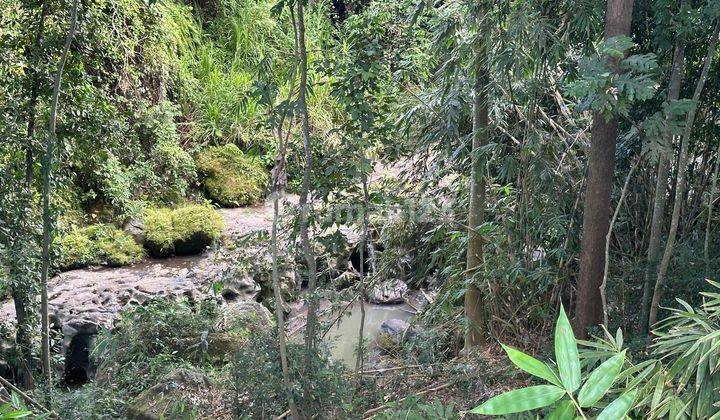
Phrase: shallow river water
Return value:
(343, 337)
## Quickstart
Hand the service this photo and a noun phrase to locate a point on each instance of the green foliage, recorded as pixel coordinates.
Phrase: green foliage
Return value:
(414, 409)
(257, 377)
(564, 383)
(15, 409)
(231, 178)
(182, 231)
(151, 341)
(95, 245)
(690, 339)
(604, 90)
(169, 169)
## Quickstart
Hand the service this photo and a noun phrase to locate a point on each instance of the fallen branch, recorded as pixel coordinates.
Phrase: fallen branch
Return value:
(371, 413)
(367, 372)
(26, 397)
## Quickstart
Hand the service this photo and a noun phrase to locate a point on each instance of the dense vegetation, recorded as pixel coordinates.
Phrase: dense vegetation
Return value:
(537, 173)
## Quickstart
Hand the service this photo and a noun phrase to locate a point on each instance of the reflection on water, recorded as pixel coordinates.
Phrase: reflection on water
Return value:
(343, 337)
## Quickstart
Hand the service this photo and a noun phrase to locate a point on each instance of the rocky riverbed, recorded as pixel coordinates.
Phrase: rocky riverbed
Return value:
(83, 302)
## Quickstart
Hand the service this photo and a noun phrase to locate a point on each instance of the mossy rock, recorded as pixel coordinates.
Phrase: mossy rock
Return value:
(75, 250)
(159, 232)
(231, 178)
(184, 231)
(96, 245)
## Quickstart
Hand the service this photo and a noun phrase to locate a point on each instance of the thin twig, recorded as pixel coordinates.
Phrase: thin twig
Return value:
(607, 242)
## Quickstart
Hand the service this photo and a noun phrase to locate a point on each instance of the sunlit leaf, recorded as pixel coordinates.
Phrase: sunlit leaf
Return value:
(566, 353)
(520, 400)
(600, 380)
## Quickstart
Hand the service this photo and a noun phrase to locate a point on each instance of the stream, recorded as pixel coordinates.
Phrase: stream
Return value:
(343, 337)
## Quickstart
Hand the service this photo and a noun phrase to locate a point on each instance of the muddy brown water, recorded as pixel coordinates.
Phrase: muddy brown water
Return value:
(343, 336)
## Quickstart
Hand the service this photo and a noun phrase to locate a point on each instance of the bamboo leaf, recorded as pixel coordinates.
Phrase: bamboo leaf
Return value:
(520, 400)
(531, 365)
(618, 408)
(566, 353)
(600, 380)
(565, 410)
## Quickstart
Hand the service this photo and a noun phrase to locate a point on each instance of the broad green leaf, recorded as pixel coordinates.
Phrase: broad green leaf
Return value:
(658, 392)
(618, 408)
(17, 414)
(520, 400)
(566, 353)
(565, 410)
(531, 365)
(600, 380)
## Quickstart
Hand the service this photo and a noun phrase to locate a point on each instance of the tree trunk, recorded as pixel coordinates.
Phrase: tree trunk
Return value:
(279, 314)
(23, 338)
(305, 199)
(711, 199)
(661, 183)
(32, 104)
(601, 165)
(21, 300)
(364, 245)
(47, 212)
(474, 301)
(681, 178)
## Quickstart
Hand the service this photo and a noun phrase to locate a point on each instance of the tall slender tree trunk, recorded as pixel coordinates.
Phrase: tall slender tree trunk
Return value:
(711, 200)
(279, 314)
(681, 177)
(279, 171)
(601, 165)
(305, 196)
(661, 185)
(365, 244)
(47, 212)
(21, 299)
(474, 300)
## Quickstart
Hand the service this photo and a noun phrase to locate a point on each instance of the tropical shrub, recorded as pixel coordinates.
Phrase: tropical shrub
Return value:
(565, 391)
(258, 384)
(414, 409)
(681, 380)
(151, 341)
(15, 408)
(97, 244)
(231, 178)
(183, 231)
(690, 339)
(169, 170)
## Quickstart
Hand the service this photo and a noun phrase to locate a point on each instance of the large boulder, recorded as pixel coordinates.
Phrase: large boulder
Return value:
(394, 327)
(251, 316)
(231, 178)
(177, 392)
(388, 292)
(136, 229)
(183, 231)
(217, 348)
(240, 288)
(98, 244)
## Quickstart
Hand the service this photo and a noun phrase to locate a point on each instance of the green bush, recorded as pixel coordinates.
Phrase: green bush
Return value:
(169, 169)
(183, 231)
(95, 245)
(258, 383)
(151, 341)
(231, 178)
